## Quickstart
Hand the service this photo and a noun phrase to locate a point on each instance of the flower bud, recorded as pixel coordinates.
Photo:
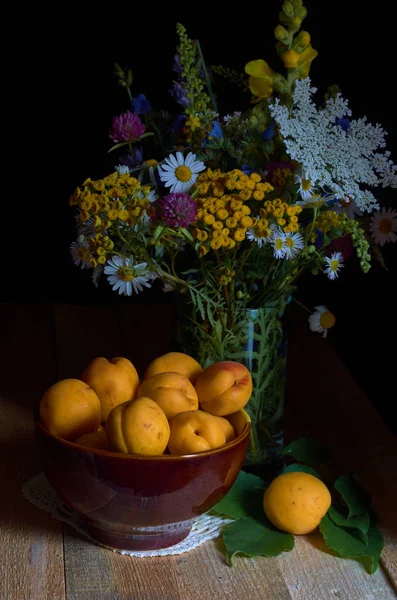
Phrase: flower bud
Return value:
(281, 34)
(288, 8)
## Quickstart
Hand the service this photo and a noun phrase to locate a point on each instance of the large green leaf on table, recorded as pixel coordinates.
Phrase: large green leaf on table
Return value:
(298, 468)
(307, 450)
(340, 516)
(357, 498)
(253, 538)
(344, 541)
(244, 499)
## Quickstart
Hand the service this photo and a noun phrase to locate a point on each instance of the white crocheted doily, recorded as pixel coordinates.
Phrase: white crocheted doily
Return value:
(38, 492)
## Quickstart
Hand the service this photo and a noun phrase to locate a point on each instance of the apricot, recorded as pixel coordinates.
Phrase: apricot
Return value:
(138, 427)
(224, 387)
(227, 427)
(115, 381)
(97, 439)
(173, 392)
(176, 362)
(70, 408)
(195, 431)
(296, 502)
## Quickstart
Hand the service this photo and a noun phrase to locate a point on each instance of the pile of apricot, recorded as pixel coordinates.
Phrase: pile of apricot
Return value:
(177, 408)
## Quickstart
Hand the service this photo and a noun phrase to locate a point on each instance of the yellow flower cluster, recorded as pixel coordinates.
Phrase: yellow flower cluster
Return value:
(114, 198)
(284, 215)
(326, 221)
(223, 215)
(98, 246)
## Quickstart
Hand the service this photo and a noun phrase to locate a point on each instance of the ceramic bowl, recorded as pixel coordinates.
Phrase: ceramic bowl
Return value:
(134, 502)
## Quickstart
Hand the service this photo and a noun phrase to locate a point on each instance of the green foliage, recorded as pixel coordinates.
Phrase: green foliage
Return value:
(354, 495)
(307, 450)
(252, 538)
(346, 543)
(348, 530)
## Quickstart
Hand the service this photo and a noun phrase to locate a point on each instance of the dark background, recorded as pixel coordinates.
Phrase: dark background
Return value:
(59, 95)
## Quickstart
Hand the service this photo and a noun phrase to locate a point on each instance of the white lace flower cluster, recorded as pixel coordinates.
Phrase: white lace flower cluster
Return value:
(332, 158)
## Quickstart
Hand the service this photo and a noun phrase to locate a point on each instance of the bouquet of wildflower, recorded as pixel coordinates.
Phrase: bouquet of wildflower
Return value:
(229, 210)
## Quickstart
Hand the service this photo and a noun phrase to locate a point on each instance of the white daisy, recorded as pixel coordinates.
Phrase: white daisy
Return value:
(179, 172)
(122, 169)
(306, 188)
(80, 254)
(260, 236)
(349, 207)
(383, 225)
(321, 320)
(278, 242)
(126, 277)
(294, 243)
(86, 228)
(334, 262)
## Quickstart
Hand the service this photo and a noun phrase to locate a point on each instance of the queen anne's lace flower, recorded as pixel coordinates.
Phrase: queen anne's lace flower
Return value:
(345, 161)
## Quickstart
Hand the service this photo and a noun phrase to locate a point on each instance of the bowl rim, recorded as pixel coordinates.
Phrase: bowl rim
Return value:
(124, 456)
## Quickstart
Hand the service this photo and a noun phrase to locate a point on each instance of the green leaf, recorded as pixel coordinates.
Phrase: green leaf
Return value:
(307, 450)
(298, 468)
(340, 516)
(187, 234)
(252, 538)
(244, 499)
(147, 134)
(120, 145)
(343, 541)
(356, 497)
(158, 231)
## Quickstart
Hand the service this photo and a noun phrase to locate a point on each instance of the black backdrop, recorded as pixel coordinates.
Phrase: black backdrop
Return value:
(59, 96)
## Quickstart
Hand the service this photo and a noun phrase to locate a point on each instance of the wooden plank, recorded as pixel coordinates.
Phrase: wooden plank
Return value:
(324, 401)
(31, 551)
(205, 569)
(82, 333)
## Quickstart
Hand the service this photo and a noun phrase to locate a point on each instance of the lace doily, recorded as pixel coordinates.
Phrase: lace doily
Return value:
(38, 492)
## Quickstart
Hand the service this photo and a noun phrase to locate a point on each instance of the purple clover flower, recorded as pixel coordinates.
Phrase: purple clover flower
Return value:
(126, 128)
(176, 210)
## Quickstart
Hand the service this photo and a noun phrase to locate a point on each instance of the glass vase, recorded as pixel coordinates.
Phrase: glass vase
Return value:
(257, 339)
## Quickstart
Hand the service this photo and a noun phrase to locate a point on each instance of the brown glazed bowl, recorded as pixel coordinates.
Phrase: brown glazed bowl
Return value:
(134, 502)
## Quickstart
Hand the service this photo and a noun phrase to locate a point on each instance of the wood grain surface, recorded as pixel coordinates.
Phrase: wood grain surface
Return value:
(40, 559)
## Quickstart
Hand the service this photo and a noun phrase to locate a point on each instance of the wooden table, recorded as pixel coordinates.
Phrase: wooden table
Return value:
(41, 559)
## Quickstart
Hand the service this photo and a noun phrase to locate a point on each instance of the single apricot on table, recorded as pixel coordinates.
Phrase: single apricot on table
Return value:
(224, 387)
(195, 431)
(70, 408)
(173, 392)
(296, 502)
(176, 362)
(115, 381)
(138, 427)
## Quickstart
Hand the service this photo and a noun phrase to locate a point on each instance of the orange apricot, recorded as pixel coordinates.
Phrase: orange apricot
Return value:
(224, 387)
(195, 431)
(138, 427)
(176, 362)
(70, 408)
(115, 381)
(173, 392)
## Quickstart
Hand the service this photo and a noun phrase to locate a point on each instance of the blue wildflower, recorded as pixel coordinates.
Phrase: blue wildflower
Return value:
(268, 134)
(179, 94)
(141, 105)
(216, 131)
(319, 239)
(246, 169)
